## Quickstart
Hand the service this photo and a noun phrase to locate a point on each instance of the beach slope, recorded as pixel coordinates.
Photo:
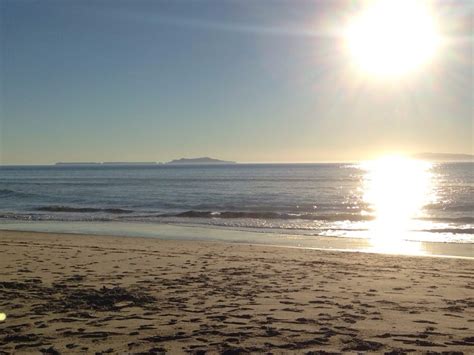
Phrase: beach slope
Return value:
(78, 293)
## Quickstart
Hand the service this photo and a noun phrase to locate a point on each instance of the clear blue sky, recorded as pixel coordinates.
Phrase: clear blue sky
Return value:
(241, 80)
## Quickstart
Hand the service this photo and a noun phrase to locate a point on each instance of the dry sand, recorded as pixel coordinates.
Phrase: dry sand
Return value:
(74, 293)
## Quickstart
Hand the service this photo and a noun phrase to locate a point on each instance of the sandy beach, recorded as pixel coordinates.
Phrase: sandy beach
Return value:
(77, 293)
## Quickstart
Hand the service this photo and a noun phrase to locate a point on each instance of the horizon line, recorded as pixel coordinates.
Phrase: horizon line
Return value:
(227, 164)
(436, 157)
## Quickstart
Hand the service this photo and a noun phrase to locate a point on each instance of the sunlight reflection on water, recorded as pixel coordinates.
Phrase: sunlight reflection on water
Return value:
(396, 188)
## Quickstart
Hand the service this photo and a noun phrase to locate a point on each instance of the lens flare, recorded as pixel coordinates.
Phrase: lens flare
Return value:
(392, 37)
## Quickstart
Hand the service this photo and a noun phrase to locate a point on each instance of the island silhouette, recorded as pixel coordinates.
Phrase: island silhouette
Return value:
(204, 160)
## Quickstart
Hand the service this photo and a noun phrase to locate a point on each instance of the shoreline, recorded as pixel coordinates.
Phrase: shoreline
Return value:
(169, 231)
(335, 250)
(83, 293)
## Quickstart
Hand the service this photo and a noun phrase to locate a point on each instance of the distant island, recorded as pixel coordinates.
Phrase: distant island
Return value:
(202, 161)
(105, 163)
(444, 157)
(182, 161)
(77, 163)
(129, 163)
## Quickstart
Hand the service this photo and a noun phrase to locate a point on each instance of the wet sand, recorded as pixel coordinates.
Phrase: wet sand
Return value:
(78, 293)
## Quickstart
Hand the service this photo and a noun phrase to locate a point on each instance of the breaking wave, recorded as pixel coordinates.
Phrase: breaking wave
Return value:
(82, 209)
(270, 215)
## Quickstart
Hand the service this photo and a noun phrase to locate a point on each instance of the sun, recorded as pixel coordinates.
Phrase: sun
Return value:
(392, 37)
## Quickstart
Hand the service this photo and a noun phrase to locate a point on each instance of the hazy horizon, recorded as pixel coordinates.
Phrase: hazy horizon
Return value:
(118, 162)
(242, 81)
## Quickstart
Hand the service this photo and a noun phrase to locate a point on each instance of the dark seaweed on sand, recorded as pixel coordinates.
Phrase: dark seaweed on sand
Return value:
(106, 299)
(67, 297)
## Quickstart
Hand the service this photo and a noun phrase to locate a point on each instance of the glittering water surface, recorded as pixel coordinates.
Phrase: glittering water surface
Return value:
(386, 201)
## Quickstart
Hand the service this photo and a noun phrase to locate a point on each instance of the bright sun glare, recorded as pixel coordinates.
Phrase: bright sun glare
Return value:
(396, 188)
(392, 37)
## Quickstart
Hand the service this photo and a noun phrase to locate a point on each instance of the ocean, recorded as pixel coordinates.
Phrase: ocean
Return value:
(415, 201)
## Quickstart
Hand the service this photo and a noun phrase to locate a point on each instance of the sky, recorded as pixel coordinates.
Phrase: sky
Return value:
(250, 81)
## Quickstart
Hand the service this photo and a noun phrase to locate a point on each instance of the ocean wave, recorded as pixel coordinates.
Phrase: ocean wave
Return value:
(216, 214)
(464, 219)
(39, 217)
(12, 193)
(82, 209)
(269, 215)
(451, 208)
(450, 230)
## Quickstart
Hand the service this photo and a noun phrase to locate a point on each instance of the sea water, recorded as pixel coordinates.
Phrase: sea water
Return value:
(434, 204)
